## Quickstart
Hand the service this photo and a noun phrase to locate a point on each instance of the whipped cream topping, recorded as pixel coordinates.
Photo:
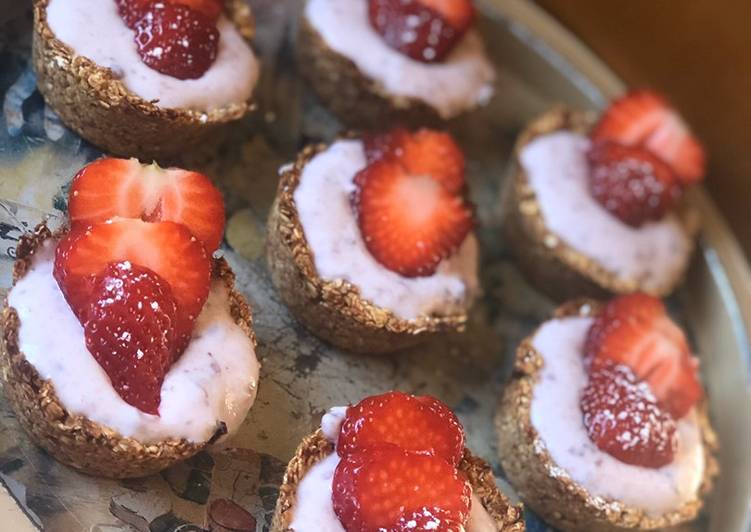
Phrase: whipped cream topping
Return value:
(654, 254)
(215, 379)
(331, 230)
(314, 510)
(93, 29)
(557, 416)
(464, 80)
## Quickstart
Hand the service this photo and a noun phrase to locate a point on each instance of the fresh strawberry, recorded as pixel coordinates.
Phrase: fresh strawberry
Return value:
(631, 183)
(644, 118)
(167, 248)
(176, 40)
(424, 152)
(623, 419)
(129, 329)
(132, 10)
(409, 223)
(635, 330)
(387, 488)
(109, 188)
(420, 424)
(425, 30)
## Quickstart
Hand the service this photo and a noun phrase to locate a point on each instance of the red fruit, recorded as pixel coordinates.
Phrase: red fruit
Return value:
(631, 183)
(387, 488)
(644, 118)
(166, 248)
(425, 30)
(623, 418)
(130, 331)
(132, 10)
(636, 331)
(109, 188)
(420, 424)
(175, 40)
(409, 223)
(424, 152)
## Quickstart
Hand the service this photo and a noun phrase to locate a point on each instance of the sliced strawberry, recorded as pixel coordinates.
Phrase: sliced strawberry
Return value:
(623, 419)
(420, 424)
(424, 152)
(166, 248)
(109, 188)
(132, 10)
(631, 183)
(409, 223)
(176, 40)
(387, 488)
(130, 331)
(635, 330)
(425, 30)
(644, 118)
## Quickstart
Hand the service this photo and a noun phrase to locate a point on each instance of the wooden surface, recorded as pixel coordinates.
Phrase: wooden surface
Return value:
(698, 52)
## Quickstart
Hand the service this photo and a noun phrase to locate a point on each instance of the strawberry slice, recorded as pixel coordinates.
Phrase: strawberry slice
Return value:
(129, 329)
(631, 183)
(409, 223)
(635, 330)
(387, 488)
(425, 30)
(645, 118)
(167, 248)
(109, 188)
(623, 419)
(176, 40)
(424, 152)
(419, 424)
(132, 10)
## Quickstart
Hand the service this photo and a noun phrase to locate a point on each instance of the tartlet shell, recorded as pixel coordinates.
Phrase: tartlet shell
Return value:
(356, 99)
(545, 487)
(74, 439)
(95, 104)
(548, 262)
(334, 310)
(316, 447)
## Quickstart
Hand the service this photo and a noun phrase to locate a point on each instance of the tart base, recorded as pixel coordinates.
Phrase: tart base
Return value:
(550, 264)
(357, 100)
(547, 489)
(96, 105)
(333, 310)
(74, 439)
(316, 447)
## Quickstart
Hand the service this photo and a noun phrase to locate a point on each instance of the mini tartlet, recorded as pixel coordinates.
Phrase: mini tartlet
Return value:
(333, 305)
(350, 74)
(93, 101)
(550, 489)
(84, 395)
(560, 268)
(315, 448)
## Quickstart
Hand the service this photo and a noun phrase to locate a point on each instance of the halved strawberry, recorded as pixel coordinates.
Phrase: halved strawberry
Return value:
(632, 183)
(132, 10)
(645, 118)
(167, 248)
(623, 418)
(420, 424)
(424, 152)
(109, 188)
(130, 331)
(635, 330)
(176, 40)
(387, 488)
(425, 30)
(409, 223)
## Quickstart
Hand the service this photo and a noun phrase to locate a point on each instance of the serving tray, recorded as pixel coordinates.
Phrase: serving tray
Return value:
(235, 488)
